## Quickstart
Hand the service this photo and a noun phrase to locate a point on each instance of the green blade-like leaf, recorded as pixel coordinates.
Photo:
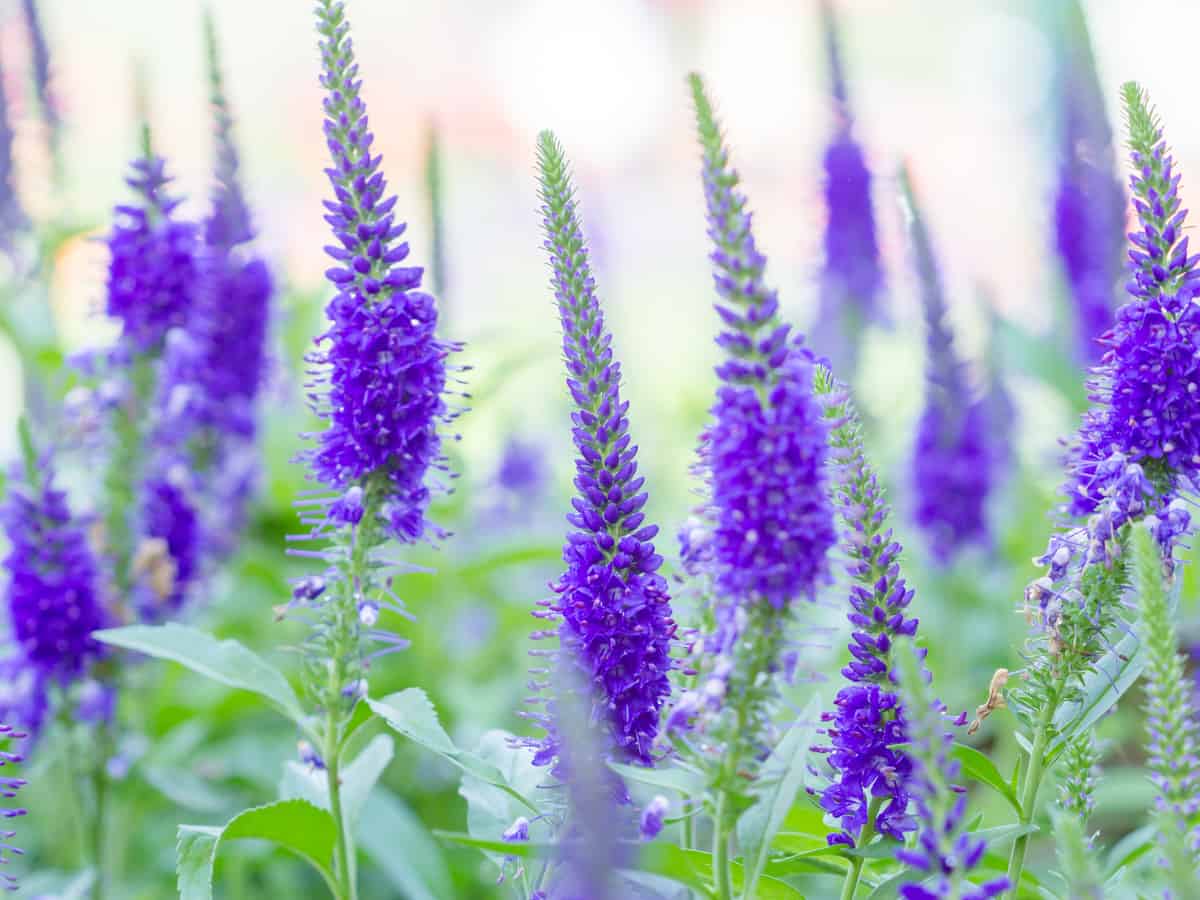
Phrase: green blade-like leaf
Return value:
(759, 825)
(672, 777)
(693, 869)
(227, 662)
(411, 714)
(980, 768)
(295, 825)
(401, 847)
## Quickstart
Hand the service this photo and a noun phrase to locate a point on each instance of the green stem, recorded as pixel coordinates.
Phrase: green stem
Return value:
(343, 869)
(720, 852)
(854, 872)
(689, 830)
(1033, 780)
(100, 785)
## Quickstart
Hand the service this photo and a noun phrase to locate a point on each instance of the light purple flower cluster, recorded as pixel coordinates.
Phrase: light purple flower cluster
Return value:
(153, 273)
(866, 728)
(1089, 205)
(952, 459)
(386, 368)
(12, 216)
(614, 607)
(53, 592)
(1139, 444)
(764, 451)
(852, 275)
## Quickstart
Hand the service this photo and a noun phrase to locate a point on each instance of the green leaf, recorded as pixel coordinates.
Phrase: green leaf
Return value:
(519, 849)
(411, 714)
(1131, 848)
(758, 825)
(693, 869)
(303, 782)
(980, 768)
(295, 825)
(227, 662)
(401, 847)
(673, 777)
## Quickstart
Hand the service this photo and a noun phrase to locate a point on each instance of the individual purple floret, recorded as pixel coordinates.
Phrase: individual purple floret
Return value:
(945, 852)
(866, 727)
(383, 366)
(851, 277)
(653, 816)
(153, 273)
(764, 451)
(53, 585)
(9, 785)
(613, 606)
(952, 459)
(1089, 205)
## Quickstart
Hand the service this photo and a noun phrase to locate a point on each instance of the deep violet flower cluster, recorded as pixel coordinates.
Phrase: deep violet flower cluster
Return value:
(1139, 444)
(1089, 205)
(852, 276)
(613, 607)
(945, 852)
(53, 592)
(952, 460)
(383, 366)
(153, 272)
(867, 725)
(764, 451)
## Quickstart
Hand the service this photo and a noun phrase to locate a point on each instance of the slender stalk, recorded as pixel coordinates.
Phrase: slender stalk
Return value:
(343, 873)
(720, 852)
(854, 872)
(1029, 791)
(99, 829)
(689, 830)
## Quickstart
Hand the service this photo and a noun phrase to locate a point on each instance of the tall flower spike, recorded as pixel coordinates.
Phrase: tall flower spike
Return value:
(1173, 735)
(870, 772)
(764, 451)
(945, 853)
(53, 586)
(852, 276)
(1089, 204)
(12, 216)
(951, 469)
(1139, 444)
(152, 273)
(385, 366)
(40, 51)
(613, 605)
(9, 785)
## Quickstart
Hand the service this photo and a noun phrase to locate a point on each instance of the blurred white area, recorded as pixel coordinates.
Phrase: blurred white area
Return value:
(960, 90)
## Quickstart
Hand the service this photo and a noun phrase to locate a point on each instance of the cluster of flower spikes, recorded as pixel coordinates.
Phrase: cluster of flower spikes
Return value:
(385, 367)
(53, 592)
(381, 376)
(215, 366)
(9, 786)
(945, 852)
(952, 458)
(613, 607)
(852, 276)
(867, 725)
(1139, 445)
(1089, 204)
(153, 272)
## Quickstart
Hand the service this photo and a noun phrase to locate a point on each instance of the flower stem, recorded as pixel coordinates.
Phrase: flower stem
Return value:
(720, 853)
(343, 870)
(1033, 780)
(99, 826)
(854, 872)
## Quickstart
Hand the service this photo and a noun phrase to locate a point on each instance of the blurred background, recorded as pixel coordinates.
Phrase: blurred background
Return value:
(966, 93)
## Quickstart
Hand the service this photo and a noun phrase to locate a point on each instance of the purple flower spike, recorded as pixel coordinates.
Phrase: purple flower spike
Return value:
(613, 605)
(764, 451)
(384, 399)
(1089, 204)
(53, 596)
(153, 273)
(9, 785)
(12, 216)
(952, 460)
(867, 723)
(852, 276)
